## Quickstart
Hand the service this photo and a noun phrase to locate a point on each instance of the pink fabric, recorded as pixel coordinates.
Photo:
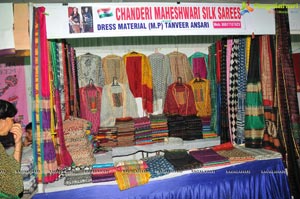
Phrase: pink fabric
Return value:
(13, 89)
(44, 56)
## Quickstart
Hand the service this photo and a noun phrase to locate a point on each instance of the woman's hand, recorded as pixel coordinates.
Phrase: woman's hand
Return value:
(16, 130)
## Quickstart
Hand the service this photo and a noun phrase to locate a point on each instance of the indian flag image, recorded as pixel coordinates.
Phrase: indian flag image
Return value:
(104, 12)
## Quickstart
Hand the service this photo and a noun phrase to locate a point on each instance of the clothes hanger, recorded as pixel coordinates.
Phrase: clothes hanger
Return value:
(179, 80)
(115, 82)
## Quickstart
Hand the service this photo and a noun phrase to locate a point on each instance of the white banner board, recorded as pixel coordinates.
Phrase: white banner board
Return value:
(77, 20)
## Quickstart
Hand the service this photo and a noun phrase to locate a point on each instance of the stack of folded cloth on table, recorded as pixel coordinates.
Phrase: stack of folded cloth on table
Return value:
(104, 139)
(131, 173)
(206, 129)
(143, 134)
(208, 157)
(176, 126)
(193, 127)
(159, 127)
(103, 172)
(158, 166)
(27, 171)
(260, 154)
(78, 175)
(125, 135)
(234, 155)
(181, 160)
(77, 142)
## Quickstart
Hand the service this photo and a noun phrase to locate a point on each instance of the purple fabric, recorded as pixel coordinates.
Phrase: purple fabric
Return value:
(207, 155)
(50, 151)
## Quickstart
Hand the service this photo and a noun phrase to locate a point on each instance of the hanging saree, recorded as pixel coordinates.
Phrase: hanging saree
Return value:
(43, 148)
(254, 112)
(288, 112)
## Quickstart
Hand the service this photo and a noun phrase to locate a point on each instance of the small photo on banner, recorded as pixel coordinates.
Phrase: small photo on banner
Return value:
(80, 19)
(13, 89)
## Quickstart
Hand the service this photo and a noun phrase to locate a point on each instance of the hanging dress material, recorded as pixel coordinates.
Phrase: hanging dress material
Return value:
(198, 62)
(43, 147)
(90, 105)
(62, 155)
(267, 68)
(201, 90)
(233, 88)
(180, 100)
(241, 88)
(140, 78)
(89, 67)
(162, 78)
(113, 67)
(117, 102)
(288, 107)
(224, 123)
(254, 111)
(180, 67)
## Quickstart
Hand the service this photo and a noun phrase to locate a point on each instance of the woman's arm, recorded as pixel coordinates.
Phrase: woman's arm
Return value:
(17, 131)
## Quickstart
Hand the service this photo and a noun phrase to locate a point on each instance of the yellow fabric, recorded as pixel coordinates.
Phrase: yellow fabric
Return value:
(130, 179)
(248, 43)
(201, 90)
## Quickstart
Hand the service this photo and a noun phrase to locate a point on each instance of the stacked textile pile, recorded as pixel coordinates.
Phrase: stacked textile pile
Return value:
(233, 154)
(29, 179)
(104, 139)
(193, 127)
(208, 157)
(158, 166)
(142, 131)
(206, 129)
(181, 160)
(131, 173)
(185, 127)
(260, 154)
(176, 126)
(125, 135)
(77, 175)
(103, 172)
(159, 127)
(77, 143)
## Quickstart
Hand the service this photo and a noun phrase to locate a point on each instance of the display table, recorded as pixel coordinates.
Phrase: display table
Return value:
(256, 179)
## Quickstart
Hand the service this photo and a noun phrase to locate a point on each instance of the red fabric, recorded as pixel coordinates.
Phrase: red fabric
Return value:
(174, 105)
(224, 146)
(296, 63)
(44, 56)
(218, 61)
(134, 73)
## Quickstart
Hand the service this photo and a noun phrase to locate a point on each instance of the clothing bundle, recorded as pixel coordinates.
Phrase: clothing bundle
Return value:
(143, 133)
(76, 138)
(131, 173)
(104, 139)
(77, 175)
(159, 127)
(185, 127)
(103, 172)
(125, 135)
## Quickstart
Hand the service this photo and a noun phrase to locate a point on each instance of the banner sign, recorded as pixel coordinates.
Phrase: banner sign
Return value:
(75, 20)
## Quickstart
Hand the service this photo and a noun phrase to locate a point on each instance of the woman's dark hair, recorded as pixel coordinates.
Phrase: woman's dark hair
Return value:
(7, 109)
(28, 126)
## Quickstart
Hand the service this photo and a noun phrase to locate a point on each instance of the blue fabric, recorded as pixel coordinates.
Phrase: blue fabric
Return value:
(263, 179)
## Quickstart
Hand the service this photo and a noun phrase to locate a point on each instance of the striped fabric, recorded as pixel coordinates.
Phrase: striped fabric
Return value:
(287, 99)
(254, 112)
(43, 148)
